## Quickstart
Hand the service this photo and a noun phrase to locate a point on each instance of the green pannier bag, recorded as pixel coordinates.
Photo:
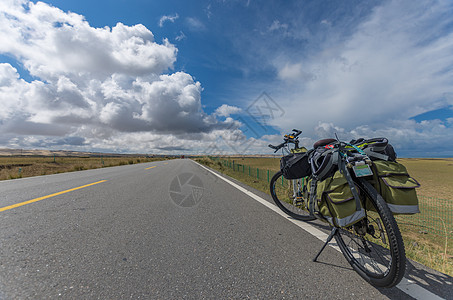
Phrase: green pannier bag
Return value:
(395, 185)
(336, 201)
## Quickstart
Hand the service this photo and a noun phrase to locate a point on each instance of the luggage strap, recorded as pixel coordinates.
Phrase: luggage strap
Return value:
(311, 206)
(344, 170)
(377, 155)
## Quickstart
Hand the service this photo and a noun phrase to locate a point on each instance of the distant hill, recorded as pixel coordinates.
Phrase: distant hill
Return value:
(26, 152)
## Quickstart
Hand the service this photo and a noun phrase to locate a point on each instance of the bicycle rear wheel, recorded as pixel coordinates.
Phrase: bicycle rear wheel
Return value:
(282, 192)
(374, 246)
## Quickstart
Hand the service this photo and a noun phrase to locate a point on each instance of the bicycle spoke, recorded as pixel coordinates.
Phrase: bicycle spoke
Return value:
(369, 255)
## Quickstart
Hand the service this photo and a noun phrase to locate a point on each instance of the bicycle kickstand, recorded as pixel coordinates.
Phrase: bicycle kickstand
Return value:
(331, 235)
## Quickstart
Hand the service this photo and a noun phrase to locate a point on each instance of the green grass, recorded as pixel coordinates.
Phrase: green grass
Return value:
(427, 236)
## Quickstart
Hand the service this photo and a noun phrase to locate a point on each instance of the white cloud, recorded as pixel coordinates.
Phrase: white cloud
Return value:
(195, 24)
(276, 25)
(170, 18)
(328, 130)
(293, 72)
(180, 37)
(227, 110)
(395, 65)
(426, 138)
(51, 42)
(101, 88)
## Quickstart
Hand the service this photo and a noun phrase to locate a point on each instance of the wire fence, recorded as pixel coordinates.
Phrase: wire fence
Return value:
(436, 215)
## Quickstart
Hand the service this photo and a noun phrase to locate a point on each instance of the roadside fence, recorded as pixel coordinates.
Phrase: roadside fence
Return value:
(436, 215)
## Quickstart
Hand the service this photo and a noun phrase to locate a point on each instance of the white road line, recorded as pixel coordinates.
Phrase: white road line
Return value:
(406, 285)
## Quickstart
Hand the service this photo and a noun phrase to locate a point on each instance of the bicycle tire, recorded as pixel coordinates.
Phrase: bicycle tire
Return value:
(294, 210)
(381, 259)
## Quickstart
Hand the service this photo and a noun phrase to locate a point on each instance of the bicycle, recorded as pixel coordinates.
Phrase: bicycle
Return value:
(373, 246)
(288, 195)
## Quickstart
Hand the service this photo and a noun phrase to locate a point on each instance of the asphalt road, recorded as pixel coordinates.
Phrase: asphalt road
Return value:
(142, 232)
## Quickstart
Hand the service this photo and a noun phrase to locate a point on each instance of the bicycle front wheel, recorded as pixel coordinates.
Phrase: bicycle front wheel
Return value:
(374, 246)
(288, 195)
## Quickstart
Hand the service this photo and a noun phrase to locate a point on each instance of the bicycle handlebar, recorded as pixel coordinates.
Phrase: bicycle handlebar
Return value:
(278, 147)
(298, 132)
(288, 139)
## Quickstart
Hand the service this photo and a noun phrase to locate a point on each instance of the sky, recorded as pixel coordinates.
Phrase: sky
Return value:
(225, 77)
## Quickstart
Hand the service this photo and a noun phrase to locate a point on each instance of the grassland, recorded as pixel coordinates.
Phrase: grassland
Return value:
(434, 175)
(427, 236)
(12, 167)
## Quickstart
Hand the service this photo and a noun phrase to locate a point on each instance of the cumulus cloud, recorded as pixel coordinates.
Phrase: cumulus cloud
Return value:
(395, 65)
(51, 42)
(227, 110)
(93, 87)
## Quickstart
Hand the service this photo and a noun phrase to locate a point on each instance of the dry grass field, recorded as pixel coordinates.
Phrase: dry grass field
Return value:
(12, 167)
(435, 176)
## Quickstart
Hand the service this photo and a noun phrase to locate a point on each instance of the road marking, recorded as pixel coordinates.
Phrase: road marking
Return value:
(49, 196)
(150, 167)
(408, 286)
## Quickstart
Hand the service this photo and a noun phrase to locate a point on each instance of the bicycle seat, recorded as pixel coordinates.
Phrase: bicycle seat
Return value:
(323, 142)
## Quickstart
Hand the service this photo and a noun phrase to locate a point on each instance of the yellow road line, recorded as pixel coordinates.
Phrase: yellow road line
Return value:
(48, 196)
(150, 167)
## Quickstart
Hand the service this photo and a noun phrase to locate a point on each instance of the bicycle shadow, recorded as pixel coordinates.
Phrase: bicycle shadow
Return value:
(436, 282)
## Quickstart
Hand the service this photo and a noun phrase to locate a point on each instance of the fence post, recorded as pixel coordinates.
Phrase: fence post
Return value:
(267, 175)
(257, 173)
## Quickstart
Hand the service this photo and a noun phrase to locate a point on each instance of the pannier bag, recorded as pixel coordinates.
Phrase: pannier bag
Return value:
(295, 165)
(395, 185)
(336, 202)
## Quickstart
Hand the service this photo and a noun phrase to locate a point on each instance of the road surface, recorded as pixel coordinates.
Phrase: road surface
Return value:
(167, 230)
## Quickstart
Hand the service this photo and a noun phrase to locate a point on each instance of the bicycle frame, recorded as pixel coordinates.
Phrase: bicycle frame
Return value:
(297, 184)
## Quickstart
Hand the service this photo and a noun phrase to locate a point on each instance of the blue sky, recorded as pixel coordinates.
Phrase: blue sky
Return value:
(225, 76)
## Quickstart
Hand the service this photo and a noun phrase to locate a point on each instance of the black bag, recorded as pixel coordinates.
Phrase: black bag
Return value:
(324, 162)
(295, 165)
(376, 149)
